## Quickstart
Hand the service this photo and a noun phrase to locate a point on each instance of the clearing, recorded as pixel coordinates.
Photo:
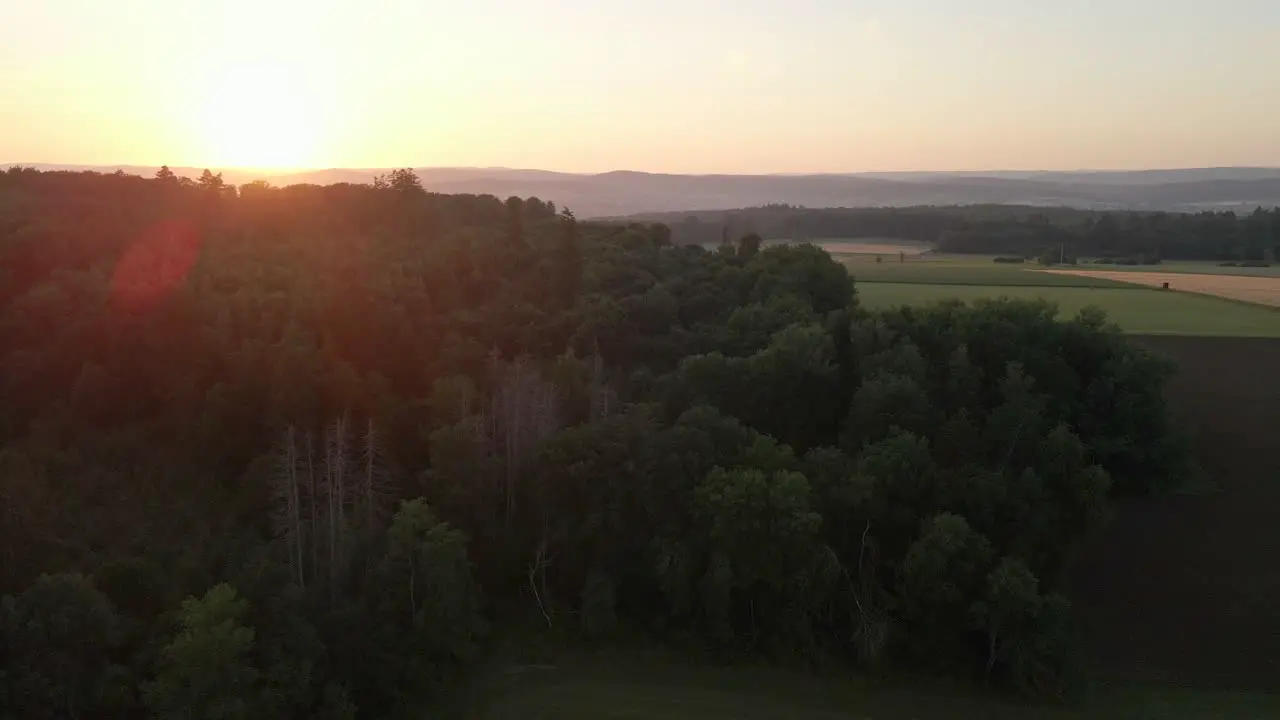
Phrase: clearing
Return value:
(1260, 290)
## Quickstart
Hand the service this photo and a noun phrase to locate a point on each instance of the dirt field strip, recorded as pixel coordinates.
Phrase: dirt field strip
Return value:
(1260, 290)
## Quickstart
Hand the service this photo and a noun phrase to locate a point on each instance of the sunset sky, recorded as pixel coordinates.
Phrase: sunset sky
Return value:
(748, 86)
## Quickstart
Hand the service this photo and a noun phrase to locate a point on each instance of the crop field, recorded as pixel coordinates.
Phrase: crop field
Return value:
(967, 272)
(1260, 290)
(679, 690)
(1136, 307)
(1197, 267)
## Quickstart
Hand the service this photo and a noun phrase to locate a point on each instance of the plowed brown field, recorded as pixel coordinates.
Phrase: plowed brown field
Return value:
(1261, 290)
(1184, 589)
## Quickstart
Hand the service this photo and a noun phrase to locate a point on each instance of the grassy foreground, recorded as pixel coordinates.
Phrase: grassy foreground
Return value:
(676, 690)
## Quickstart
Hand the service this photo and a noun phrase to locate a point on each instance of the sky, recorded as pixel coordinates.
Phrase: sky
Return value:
(682, 86)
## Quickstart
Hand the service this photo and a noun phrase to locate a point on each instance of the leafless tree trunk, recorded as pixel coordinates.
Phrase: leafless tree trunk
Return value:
(372, 477)
(313, 509)
(287, 517)
(341, 460)
(332, 486)
(312, 514)
(413, 602)
(538, 575)
(512, 392)
(600, 394)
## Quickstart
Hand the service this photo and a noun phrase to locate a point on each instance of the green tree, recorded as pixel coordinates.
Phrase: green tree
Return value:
(401, 180)
(210, 181)
(750, 328)
(426, 589)
(806, 270)
(942, 571)
(1008, 613)
(206, 671)
(899, 478)
(568, 260)
(765, 554)
(1029, 635)
(57, 639)
(883, 402)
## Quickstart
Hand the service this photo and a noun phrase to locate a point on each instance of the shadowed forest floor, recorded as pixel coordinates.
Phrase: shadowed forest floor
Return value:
(672, 690)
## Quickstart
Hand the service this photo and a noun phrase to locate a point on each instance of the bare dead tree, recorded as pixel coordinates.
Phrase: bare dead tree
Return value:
(523, 411)
(372, 492)
(313, 508)
(333, 472)
(324, 491)
(286, 516)
(511, 398)
(601, 394)
(538, 576)
(874, 622)
(341, 464)
(545, 411)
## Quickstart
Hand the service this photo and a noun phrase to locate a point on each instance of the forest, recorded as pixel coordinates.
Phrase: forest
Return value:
(1005, 230)
(304, 452)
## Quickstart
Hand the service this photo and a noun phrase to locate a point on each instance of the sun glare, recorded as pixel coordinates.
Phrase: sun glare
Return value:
(256, 118)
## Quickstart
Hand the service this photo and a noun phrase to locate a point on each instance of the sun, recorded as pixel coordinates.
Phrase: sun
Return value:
(259, 117)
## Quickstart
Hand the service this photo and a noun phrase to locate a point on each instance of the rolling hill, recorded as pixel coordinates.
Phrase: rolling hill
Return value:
(621, 193)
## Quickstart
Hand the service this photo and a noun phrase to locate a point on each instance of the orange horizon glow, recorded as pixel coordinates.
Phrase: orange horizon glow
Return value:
(679, 86)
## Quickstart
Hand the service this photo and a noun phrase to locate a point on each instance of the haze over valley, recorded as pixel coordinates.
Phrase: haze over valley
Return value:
(621, 193)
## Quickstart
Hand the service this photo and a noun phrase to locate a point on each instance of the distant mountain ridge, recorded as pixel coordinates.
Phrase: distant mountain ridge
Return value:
(623, 192)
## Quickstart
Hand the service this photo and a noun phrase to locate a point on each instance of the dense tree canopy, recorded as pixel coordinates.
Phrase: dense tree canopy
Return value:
(292, 452)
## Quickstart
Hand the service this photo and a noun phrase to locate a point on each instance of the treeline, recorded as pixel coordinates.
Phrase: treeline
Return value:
(298, 452)
(1005, 230)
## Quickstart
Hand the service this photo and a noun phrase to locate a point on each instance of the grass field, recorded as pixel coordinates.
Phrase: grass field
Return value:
(966, 272)
(679, 690)
(1135, 308)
